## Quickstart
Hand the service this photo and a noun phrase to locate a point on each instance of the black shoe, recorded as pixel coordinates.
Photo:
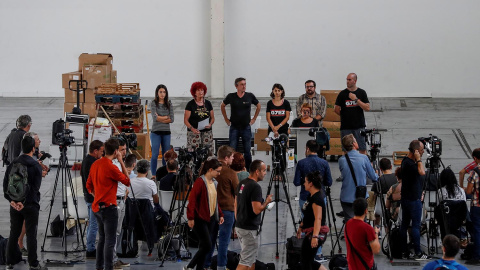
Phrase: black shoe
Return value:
(473, 262)
(408, 256)
(91, 254)
(341, 214)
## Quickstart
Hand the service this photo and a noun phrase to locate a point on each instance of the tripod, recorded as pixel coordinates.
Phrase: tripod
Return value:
(63, 173)
(330, 217)
(278, 175)
(433, 163)
(386, 219)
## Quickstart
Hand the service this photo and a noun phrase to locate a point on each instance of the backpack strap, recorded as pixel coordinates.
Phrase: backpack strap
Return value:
(351, 169)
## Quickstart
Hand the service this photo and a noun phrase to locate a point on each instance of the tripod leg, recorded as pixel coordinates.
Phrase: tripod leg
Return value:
(74, 199)
(51, 206)
(268, 192)
(288, 201)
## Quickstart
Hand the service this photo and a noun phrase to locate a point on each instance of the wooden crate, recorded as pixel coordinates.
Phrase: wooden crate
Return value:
(398, 157)
(118, 89)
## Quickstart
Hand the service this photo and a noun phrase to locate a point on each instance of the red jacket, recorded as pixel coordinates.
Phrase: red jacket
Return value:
(198, 202)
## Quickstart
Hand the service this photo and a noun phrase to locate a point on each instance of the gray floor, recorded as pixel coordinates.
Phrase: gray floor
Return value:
(404, 120)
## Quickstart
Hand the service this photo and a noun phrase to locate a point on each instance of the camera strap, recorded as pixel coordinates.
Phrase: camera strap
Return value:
(351, 169)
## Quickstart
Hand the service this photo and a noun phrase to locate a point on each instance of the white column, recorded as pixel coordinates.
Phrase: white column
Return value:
(217, 48)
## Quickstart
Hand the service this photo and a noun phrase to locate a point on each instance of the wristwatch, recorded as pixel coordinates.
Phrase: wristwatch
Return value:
(356, 100)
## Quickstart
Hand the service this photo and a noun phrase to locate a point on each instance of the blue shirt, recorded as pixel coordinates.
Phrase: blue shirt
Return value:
(310, 164)
(362, 167)
(451, 264)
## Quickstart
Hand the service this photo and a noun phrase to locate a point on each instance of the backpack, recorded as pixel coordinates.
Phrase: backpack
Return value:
(18, 182)
(17, 254)
(127, 247)
(338, 261)
(441, 266)
(394, 238)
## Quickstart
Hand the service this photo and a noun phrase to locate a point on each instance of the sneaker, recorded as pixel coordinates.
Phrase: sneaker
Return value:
(121, 264)
(408, 255)
(320, 259)
(422, 257)
(9, 267)
(116, 266)
(91, 254)
(38, 267)
(24, 252)
(473, 262)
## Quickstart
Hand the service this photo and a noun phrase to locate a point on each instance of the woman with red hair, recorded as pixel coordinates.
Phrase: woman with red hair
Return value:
(199, 119)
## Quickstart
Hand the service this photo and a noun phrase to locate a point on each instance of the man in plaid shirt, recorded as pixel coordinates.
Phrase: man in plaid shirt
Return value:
(473, 187)
(318, 102)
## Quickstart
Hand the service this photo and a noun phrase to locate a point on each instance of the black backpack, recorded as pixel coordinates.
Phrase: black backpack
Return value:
(128, 246)
(18, 182)
(338, 262)
(17, 254)
(394, 240)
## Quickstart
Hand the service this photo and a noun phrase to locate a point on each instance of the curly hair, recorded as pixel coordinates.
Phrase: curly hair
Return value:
(196, 86)
(238, 162)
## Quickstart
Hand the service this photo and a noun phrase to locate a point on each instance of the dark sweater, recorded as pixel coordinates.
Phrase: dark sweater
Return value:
(34, 171)
(86, 164)
(198, 202)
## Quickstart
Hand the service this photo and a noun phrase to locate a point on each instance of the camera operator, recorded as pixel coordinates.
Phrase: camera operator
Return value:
(168, 181)
(95, 152)
(27, 210)
(162, 171)
(384, 183)
(12, 146)
(102, 184)
(412, 189)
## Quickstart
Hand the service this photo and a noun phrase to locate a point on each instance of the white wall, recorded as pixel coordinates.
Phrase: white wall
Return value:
(397, 48)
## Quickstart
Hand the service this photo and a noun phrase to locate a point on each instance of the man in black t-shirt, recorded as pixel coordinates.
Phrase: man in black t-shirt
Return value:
(412, 189)
(350, 104)
(239, 122)
(249, 204)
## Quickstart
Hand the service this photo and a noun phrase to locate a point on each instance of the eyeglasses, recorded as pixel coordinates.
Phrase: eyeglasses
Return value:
(309, 86)
(305, 111)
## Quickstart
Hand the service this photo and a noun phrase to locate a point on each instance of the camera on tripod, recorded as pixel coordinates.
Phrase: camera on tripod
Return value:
(60, 135)
(372, 137)
(192, 158)
(129, 139)
(433, 145)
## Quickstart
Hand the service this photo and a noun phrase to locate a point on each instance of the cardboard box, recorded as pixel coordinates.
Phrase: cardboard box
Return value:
(66, 77)
(143, 146)
(333, 128)
(330, 115)
(86, 59)
(71, 96)
(331, 97)
(335, 147)
(259, 140)
(90, 109)
(68, 106)
(113, 77)
(95, 75)
(89, 95)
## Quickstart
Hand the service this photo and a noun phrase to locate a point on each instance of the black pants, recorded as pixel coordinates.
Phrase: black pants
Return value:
(307, 258)
(29, 213)
(107, 221)
(203, 230)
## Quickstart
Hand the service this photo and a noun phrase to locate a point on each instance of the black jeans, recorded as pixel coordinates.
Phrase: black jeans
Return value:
(307, 258)
(29, 213)
(203, 230)
(107, 221)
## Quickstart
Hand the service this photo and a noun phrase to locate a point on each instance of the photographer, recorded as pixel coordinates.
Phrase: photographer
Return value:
(314, 214)
(384, 183)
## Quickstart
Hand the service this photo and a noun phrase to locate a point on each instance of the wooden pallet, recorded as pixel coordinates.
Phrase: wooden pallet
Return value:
(118, 89)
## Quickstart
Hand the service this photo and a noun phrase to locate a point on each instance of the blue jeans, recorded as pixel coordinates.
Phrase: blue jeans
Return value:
(92, 229)
(475, 217)
(157, 140)
(107, 220)
(224, 235)
(411, 211)
(246, 134)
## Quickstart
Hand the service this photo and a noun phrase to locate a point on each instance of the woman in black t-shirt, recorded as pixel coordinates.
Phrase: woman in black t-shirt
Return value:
(278, 111)
(306, 120)
(313, 222)
(199, 119)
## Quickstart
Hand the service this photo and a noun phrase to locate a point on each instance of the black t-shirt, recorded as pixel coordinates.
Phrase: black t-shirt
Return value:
(198, 113)
(167, 182)
(278, 114)
(248, 191)
(351, 114)
(240, 108)
(160, 173)
(307, 209)
(298, 123)
(412, 181)
(86, 164)
(386, 181)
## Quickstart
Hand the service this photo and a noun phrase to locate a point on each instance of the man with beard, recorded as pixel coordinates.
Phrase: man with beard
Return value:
(318, 102)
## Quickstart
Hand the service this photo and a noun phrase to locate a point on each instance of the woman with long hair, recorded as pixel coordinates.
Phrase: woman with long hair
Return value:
(162, 115)
(278, 111)
(313, 223)
(450, 190)
(306, 120)
(203, 211)
(199, 118)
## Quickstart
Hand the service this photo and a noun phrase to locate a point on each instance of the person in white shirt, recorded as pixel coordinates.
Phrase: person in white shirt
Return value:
(143, 188)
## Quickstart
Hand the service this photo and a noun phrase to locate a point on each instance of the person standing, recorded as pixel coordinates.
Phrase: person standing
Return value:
(203, 211)
(238, 165)
(102, 184)
(162, 114)
(412, 189)
(278, 111)
(95, 152)
(239, 122)
(227, 185)
(473, 188)
(316, 101)
(249, 204)
(13, 142)
(385, 182)
(27, 210)
(350, 105)
(361, 239)
(199, 118)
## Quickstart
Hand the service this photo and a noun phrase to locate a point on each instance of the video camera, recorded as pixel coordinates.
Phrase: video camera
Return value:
(372, 137)
(192, 158)
(433, 145)
(60, 135)
(321, 135)
(129, 139)
(281, 140)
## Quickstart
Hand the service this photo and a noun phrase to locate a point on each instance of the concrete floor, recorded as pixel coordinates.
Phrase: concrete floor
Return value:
(403, 118)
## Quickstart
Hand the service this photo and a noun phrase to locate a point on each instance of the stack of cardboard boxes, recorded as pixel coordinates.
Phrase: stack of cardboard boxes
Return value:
(332, 122)
(96, 69)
